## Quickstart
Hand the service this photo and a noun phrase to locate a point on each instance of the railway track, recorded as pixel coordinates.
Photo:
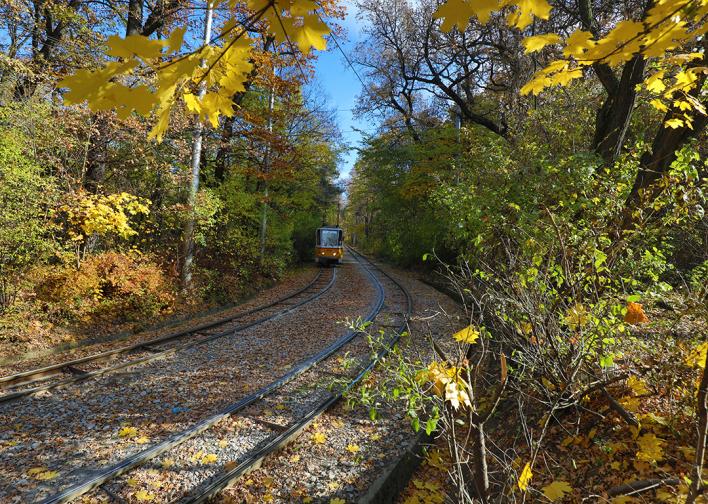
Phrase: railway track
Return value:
(65, 373)
(256, 456)
(295, 387)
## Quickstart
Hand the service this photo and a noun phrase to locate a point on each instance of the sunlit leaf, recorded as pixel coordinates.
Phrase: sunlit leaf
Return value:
(556, 490)
(525, 477)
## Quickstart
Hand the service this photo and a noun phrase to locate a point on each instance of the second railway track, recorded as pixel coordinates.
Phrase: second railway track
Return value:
(77, 370)
(252, 434)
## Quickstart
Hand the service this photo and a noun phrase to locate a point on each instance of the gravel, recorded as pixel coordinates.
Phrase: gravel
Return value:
(290, 284)
(356, 449)
(74, 430)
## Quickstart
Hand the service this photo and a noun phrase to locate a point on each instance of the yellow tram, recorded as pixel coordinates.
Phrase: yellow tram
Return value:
(329, 247)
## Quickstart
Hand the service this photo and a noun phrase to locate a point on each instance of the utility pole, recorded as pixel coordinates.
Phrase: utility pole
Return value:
(188, 243)
(266, 169)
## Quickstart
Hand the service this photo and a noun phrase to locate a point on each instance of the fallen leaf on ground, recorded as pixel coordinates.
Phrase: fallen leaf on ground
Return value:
(556, 490)
(144, 496)
(128, 432)
(525, 477)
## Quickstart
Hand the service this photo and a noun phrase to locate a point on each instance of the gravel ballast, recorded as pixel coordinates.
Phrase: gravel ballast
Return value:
(77, 429)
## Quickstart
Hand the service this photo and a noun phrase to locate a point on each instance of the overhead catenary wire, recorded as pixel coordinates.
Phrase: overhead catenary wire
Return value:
(346, 58)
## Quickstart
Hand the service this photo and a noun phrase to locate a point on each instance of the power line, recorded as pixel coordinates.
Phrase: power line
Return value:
(336, 42)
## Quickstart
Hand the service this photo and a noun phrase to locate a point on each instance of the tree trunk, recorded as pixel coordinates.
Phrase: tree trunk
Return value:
(266, 169)
(135, 18)
(702, 414)
(188, 243)
(656, 163)
(227, 133)
(613, 118)
(96, 154)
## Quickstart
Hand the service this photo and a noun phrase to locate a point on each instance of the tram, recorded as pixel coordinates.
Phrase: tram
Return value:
(329, 245)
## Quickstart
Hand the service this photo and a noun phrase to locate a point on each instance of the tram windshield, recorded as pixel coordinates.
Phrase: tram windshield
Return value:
(329, 238)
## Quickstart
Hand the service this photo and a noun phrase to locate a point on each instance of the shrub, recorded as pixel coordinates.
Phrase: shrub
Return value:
(25, 196)
(107, 287)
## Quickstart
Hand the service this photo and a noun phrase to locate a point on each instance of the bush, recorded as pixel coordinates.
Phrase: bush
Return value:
(25, 197)
(107, 287)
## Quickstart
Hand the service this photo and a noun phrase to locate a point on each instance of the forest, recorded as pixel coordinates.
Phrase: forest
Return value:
(542, 162)
(102, 227)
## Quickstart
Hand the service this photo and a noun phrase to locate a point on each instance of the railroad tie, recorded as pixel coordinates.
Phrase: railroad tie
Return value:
(74, 371)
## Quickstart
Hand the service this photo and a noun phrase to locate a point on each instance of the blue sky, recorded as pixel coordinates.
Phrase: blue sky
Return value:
(341, 86)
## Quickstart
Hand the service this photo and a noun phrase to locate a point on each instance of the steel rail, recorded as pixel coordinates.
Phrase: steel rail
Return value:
(170, 351)
(103, 475)
(24, 377)
(260, 453)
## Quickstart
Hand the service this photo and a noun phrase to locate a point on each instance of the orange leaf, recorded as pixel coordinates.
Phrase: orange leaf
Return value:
(635, 314)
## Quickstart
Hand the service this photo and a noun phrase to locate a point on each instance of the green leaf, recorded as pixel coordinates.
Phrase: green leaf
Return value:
(606, 361)
(430, 425)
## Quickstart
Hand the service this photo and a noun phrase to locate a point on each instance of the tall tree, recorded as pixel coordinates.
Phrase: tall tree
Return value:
(193, 188)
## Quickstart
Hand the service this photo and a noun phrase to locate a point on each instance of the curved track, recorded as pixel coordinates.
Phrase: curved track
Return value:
(254, 458)
(312, 405)
(161, 347)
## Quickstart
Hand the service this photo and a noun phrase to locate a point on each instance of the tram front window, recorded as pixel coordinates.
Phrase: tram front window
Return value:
(329, 238)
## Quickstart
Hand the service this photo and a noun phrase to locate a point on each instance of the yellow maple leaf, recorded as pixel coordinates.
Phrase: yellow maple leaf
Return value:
(578, 43)
(311, 34)
(353, 448)
(47, 475)
(623, 499)
(637, 385)
(538, 42)
(167, 463)
(658, 105)
(457, 13)
(128, 432)
(175, 39)
(697, 356)
(538, 83)
(630, 404)
(337, 500)
(319, 437)
(650, 448)
(674, 123)
(142, 440)
(209, 458)
(655, 82)
(556, 490)
(138, 45)
(467, 335)
(526, 10)
(525, 477)
(144, 496)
